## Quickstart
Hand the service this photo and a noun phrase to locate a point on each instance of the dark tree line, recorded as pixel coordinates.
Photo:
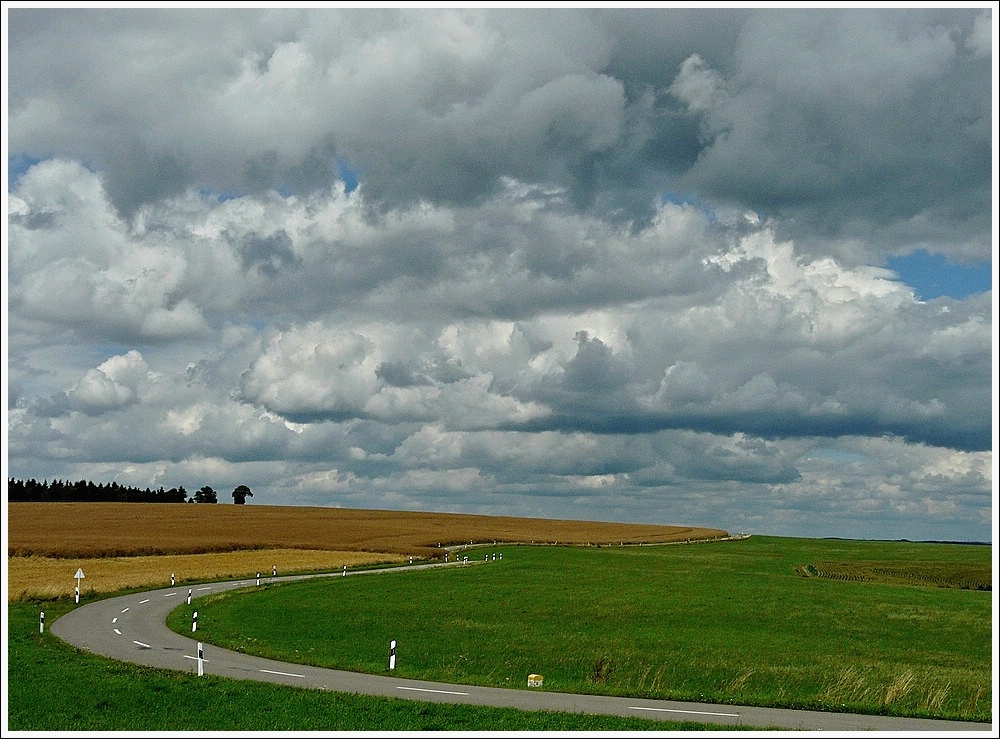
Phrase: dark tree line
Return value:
(84, 491)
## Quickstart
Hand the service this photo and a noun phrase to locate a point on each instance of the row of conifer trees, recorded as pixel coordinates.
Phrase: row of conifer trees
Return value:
(85, 491)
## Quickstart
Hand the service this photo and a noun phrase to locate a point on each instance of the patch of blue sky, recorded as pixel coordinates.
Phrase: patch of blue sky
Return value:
(934, 275)
(693, 200)
(348, 174)
(103, 351)
(17, 165)
(222, 196)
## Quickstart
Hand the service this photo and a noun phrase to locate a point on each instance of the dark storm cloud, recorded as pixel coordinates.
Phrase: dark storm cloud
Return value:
(804, 121)
(810, 125)
(270, 254)
(399, 374)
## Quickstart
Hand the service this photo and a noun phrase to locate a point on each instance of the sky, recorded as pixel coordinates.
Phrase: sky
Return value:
(703, 266)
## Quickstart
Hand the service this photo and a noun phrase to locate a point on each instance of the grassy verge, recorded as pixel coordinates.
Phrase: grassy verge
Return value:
(728, 623)
(52, 686)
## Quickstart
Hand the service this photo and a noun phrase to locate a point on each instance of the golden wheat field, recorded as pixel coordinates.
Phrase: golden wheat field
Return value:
(53, 577)
(123, 545)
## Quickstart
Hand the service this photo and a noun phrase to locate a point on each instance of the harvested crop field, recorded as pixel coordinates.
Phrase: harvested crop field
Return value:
(136, 537)
(52, 577)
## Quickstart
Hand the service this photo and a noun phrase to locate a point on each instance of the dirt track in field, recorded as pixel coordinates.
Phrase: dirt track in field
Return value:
(235, 540)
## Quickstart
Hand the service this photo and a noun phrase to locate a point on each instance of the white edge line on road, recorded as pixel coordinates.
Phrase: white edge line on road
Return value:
(167, 595)
(125, 609)
(118, 632)
(275, 672)
(145, 600)
(114, 620)
(677, 710)
(207, 587)
(188, 656)
(141, 644)
(428, 690)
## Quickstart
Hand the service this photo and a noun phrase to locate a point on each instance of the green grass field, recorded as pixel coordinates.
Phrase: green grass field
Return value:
(53, 687)
(733, 622)
(728, 622)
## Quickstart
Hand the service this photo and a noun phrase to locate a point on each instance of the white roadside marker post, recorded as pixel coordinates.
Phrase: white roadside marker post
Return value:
(41, 622)
(345, 570)
(392, 655)
(194, 622)
(79, 576)
(258, 578)
(274, 570)
(171, 579)
(189, 596)
(201, 660)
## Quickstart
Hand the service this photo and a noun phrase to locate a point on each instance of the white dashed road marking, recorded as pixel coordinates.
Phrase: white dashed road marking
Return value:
(675, 710)
(428, 690)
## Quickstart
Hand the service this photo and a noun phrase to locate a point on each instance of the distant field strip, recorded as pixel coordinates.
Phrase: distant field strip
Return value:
(973, 576)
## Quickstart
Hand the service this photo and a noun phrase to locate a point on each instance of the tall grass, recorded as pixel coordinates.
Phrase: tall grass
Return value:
(726, 622)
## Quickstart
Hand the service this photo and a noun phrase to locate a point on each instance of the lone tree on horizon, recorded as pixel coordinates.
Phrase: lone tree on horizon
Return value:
(240, 494)
(205, 495)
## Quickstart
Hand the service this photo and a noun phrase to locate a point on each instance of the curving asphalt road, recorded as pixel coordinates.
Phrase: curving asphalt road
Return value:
(132, 628)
